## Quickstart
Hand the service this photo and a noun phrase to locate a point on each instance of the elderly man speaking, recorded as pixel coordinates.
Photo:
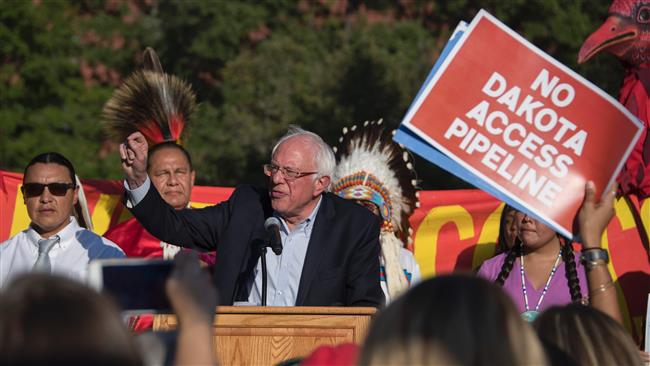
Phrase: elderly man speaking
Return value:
(330, 245)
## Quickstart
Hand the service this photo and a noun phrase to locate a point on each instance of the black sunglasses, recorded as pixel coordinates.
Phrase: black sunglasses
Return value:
(36, 189)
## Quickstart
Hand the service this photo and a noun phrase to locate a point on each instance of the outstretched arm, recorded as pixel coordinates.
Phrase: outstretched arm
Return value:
(593, 218)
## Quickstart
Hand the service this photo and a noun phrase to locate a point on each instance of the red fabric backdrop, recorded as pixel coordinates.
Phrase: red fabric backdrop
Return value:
(453, 231)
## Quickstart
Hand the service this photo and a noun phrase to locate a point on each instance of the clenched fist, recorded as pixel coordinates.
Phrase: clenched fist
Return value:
(133, 153)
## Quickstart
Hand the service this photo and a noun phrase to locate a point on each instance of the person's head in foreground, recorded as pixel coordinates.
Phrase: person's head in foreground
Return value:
(452, 319)
(587, 335)
(51, 320)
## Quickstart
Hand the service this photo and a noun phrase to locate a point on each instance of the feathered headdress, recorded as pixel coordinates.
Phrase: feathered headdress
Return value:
(373, 168)
(152, 102)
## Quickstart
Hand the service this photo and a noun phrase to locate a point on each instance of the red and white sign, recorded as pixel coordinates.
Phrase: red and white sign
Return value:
(522, 122)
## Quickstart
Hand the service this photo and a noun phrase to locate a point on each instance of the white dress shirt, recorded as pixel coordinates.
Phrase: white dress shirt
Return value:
(134, 196)
(69, 257)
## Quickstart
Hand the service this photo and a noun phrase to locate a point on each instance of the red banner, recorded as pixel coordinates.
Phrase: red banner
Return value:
(454, 231)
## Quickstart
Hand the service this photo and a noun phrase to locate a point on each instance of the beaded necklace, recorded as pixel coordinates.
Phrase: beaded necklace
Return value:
(530, 315)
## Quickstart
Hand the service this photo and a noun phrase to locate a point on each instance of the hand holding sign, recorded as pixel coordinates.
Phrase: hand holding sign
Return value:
(511, 120)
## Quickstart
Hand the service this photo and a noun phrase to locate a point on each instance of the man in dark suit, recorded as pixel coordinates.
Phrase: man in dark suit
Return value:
(330, 245)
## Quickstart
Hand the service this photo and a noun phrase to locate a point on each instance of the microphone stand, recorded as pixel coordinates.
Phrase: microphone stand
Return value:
(263, 246)
(264, 274)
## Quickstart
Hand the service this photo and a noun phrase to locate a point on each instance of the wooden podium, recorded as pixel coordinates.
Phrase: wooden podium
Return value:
(255, 335)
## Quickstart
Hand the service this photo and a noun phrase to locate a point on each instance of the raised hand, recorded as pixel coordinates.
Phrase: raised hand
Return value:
(133, 153)
(194, 299)
(190, 290)
(594, 216)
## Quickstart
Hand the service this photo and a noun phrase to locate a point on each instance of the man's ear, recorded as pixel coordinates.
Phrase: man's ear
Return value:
(75, 197)
(321, 185)
(192, 177)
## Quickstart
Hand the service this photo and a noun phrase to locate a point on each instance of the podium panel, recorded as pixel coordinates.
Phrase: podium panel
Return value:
(255, 335)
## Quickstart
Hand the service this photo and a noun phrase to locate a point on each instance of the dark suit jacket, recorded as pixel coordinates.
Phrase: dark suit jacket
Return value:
(341, 266)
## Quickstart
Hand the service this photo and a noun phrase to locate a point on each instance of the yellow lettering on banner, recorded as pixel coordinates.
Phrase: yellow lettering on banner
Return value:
(426, 237)
(487, 240)
(645, 215)
(199, 204)
(124, 215)
(20, 219)
(624, 214)
(622, 303)
(103, 211)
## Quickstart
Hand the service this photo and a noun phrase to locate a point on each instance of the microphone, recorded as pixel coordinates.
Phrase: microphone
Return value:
(272, 227)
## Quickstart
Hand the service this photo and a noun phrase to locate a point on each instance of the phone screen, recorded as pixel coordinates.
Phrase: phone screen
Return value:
(138, 288)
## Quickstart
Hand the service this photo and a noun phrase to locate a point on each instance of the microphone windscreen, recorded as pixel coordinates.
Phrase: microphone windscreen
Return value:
(271, 221)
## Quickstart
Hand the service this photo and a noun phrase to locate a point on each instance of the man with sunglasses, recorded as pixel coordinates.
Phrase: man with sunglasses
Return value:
(54, 242)
(330, 245)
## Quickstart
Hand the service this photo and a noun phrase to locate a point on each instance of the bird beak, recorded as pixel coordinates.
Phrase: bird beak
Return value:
(614, 36)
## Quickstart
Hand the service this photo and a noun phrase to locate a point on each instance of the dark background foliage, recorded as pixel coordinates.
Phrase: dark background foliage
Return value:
(257, 66)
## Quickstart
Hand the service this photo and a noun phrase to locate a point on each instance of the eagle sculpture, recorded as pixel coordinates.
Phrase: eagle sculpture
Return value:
(626, 34)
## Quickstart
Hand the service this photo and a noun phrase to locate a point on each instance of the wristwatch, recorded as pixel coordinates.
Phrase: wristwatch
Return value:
(592, 257)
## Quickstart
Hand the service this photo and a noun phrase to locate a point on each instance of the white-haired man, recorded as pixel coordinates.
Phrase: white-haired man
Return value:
(330, 245)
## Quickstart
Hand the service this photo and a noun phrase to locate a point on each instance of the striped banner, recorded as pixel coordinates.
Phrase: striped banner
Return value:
(454, 231)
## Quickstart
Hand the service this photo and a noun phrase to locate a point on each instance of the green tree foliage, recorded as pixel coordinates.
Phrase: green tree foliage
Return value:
(257, 66)
(45, 102)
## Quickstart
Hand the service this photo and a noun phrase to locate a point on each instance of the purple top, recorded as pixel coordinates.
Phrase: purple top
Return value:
(558, 290)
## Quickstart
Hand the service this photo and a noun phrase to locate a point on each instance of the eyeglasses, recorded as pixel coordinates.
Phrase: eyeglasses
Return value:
(36, 189)
(288, 173)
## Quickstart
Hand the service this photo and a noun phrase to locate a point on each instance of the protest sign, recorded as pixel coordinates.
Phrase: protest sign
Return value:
(501, 112)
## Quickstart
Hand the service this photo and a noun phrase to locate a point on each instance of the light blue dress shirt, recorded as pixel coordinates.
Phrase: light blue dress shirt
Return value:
(284, 270)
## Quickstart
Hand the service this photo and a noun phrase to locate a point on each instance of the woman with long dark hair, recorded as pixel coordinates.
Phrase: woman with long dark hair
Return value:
(542, 269)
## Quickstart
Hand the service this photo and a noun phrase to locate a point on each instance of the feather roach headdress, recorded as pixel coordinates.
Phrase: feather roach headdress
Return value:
(372, 168)
(152, 102)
